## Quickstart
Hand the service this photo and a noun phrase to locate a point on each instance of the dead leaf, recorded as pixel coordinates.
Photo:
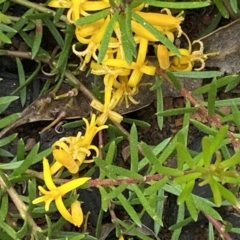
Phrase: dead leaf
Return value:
(226, 41)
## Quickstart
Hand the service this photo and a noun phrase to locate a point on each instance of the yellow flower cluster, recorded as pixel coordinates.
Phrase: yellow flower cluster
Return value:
(69, 152)
(122, 80)
(121, 83)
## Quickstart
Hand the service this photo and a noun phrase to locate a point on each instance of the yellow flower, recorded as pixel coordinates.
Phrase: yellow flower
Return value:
(188, 58)
(78, 8)
(55, 193)
(128, 92)
(93, 45)
(139, 67)
(71, 152)
(77, 214)
(163, 57)
(110, 101)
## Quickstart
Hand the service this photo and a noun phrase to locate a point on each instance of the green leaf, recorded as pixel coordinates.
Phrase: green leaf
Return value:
(205, 206)
(3, 206)
(202, 74)
(221, 8)
(191, 208)
(158, 88)
(217, 198)
(164, 40)
(63, 58)
(128, 19)
(6, 28)
(155, 151)
(177, 5)
(4, 38)
(186, 192)
(233, 83)
(8, 120)
(177, 111)
(148, 153)
(7, 99)
(23, 231)
(20, 149)
(226, 194)
(115, 191)
(216, 143)
(184, 156)
(37, 38)
(180, 217)
(21, 76)
(211, 234)
(212, 97)
(18, 25)
(134, 148)
(156, 185)
(234, 160)
(27, 162)
(4, 18)
(10, 231)
(206, 151)
(129, 209)
(5, 153)
(174, 81)
(168, 171)
(221, 82)
(203, 128)
(126, 43)
(145, 204)
(92, 18)
(234, 5)
(181, 224)
(186, 178)
(55, 33)
(107, 35)
(130, 228)
(137, 122)
(7, 140)
(123, 172)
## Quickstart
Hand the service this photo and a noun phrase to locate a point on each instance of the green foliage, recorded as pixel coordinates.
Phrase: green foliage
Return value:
(143, 187)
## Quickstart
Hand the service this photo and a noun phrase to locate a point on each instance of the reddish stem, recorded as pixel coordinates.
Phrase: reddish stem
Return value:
(213, 119)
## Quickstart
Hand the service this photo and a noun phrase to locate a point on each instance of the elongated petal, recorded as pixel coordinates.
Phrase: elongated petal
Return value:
(159, 19)
(63, 210)
(47, 175)
(72, 184)
(60, 4)
(163, 57)
(77, 214)
(65, 160)
(143, 46)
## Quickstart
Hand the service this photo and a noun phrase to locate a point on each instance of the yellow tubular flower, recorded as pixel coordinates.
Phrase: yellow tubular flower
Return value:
(163, 57)
(186, 62)
(110, 102)
(77, 214)
(55, 193)
(60, 3)
(87, 30)
(159, 19)
(71, 152)
(139, 67)
(128, 92)
(93, 45)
